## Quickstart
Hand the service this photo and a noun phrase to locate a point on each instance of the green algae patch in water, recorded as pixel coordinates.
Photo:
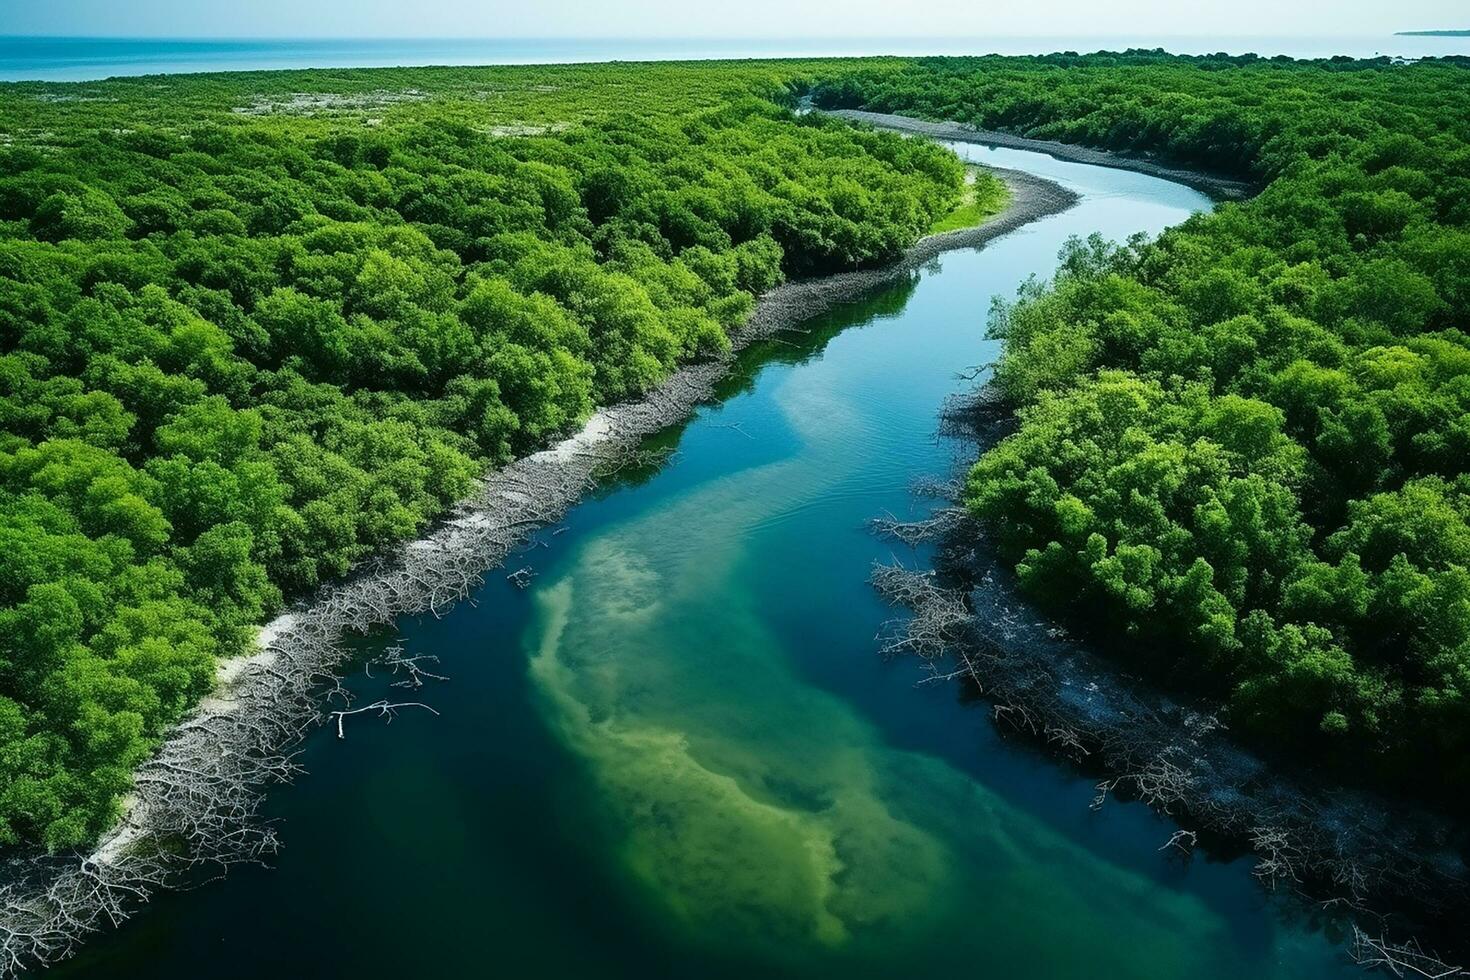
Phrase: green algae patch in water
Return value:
(764, 812)
(679, 755)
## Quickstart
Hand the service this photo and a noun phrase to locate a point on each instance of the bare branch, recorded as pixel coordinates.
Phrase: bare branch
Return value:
(385, 709)
(196, 804)
(1401, 959)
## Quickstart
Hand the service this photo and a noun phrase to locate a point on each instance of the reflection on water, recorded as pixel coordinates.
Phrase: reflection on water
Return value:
(678, 755)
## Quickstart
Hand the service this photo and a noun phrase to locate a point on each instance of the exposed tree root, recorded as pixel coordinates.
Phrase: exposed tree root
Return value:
(1353, 851)
(1400, 959)
(196, 804)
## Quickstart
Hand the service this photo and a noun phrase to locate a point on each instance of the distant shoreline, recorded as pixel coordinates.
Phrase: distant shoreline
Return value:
(1431, 34)
(82, 59)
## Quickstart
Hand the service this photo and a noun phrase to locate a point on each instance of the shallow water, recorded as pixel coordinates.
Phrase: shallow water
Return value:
(678, 753)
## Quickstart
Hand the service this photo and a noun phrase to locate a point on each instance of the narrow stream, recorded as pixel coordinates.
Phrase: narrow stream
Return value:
(679, 755)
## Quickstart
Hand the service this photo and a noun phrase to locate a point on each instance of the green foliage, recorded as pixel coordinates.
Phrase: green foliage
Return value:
(248, 335)
(985, 194)
(1244, 448)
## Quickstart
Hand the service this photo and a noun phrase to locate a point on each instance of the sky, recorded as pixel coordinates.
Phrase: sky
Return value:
(725, 18)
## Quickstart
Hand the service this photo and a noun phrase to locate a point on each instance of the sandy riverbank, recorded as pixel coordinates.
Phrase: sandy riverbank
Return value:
(204, 787)
(1216, 185)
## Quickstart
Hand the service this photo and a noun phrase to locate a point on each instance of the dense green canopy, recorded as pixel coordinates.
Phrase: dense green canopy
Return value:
(254, 326)
(1245, 447)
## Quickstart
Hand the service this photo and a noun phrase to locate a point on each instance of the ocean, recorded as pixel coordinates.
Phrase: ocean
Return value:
(82, 59)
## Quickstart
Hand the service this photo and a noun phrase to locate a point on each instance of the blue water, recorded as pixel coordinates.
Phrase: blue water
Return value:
(678, 753)
(80, 59)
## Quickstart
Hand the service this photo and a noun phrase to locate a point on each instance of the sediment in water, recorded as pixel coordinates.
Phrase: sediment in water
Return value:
(1391, 866)
(196, 802)
(1385, 866)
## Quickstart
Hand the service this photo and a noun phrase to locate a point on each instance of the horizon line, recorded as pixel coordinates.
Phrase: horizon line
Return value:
(662, 37)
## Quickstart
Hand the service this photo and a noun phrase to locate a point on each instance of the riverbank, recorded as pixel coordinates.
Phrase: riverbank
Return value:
(204, 786)
(1216, 185)
(1389, 869)
(1401, 868)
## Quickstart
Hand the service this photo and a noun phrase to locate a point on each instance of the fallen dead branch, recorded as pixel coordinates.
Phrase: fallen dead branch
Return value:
(1347, 851)
(939, 614)
(396, 662)
(386, 709)
(915, 532)
(1400, 959)
(196, 803)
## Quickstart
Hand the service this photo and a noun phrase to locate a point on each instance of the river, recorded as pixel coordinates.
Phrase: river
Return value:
(677, 754)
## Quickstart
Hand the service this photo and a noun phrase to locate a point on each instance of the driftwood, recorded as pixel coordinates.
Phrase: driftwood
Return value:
(916, 532)
(414, 675)
(939, 615)
(1349, 851)
(1401, 959)
(196, 804)
(385, 709)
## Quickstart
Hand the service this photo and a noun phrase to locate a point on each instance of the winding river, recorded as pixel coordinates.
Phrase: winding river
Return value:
(677, 754)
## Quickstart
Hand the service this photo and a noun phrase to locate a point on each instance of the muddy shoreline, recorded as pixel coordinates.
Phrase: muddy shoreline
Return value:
(1217, 186)
(1377, 866)
(1397, 867)
(1388, 868)
(203, 788)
